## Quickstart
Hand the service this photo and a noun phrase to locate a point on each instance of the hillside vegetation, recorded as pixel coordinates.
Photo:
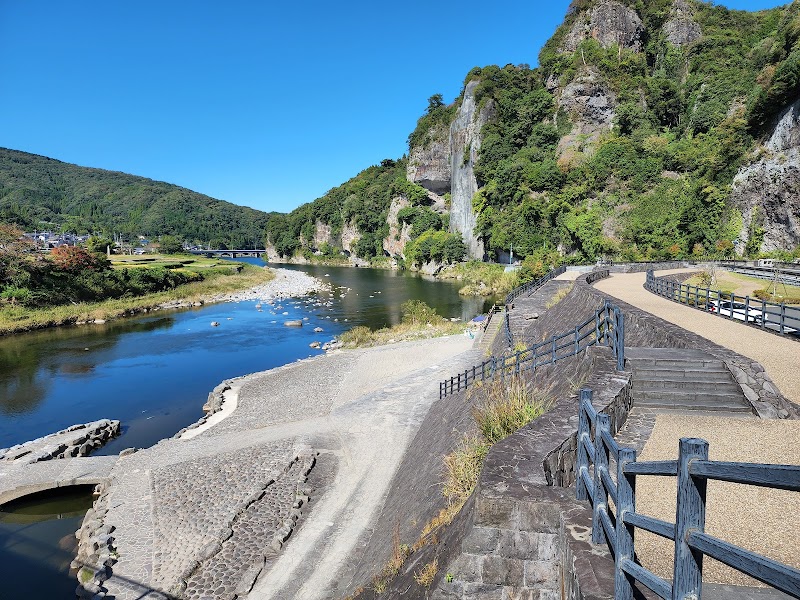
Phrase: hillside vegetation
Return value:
(42, 193)
(624, 142)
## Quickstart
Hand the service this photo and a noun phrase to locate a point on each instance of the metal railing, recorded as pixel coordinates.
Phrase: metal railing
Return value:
(780, 318)
(523, 289)
(606, 327)
(597, 446)
(533, 285)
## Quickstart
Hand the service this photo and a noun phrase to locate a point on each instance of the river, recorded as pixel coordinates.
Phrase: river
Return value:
(154, 372)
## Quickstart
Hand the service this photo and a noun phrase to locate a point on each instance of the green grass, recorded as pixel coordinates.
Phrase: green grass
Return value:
(17, 318)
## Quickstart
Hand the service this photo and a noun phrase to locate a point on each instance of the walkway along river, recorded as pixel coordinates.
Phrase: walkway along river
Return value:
(154, 373)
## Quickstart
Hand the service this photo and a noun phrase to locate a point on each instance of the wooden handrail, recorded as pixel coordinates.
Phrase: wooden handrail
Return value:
(596, 445)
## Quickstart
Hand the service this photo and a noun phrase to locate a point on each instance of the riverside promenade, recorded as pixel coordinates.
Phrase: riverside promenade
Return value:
(779, 355)
(278, 492)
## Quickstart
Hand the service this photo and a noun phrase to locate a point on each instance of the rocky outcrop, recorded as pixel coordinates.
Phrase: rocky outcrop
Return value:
(350, 236)
(681, 29)
(769, 188)
(609, 23)
(78, 440)
(399, 233)
(590, 103)
(430, 166)
(322, 234)
(465, 142)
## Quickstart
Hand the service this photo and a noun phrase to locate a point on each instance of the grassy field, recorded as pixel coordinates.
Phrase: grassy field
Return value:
(744, 285)
(221, 277)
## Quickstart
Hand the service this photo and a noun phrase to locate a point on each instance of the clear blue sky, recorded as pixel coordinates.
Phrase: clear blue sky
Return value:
(265, 104)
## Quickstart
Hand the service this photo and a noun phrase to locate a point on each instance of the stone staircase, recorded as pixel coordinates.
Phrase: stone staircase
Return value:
(683, 380)
(486, 339)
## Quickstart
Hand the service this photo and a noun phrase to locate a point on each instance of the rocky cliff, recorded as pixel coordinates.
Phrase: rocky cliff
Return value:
(465, 143)
(429, 166)
(681, 29)
(610, 23)
(768, 189)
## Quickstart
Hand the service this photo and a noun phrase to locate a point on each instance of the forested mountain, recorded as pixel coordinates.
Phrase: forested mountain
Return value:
(41, 193)
(651, 128)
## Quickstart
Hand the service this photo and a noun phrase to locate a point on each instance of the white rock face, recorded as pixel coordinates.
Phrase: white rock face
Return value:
(590, 104)
(350, 235)
(399, 234)
(322, 234)
(430, 166)
(609, 23)
(771, 185)
(465, 142)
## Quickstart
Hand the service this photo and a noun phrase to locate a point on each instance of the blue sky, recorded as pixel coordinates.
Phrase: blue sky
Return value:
(263, 104)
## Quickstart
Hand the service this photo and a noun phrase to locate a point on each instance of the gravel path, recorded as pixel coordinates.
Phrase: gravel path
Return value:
(779, 356)
(765, 520)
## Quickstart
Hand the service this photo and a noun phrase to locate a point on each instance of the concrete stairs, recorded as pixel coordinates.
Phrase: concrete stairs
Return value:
(486, 339)
(683, 381)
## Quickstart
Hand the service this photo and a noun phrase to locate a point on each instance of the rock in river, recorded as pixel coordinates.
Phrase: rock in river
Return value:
(294, 323)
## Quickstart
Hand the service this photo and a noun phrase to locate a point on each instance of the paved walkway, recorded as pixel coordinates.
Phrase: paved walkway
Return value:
(206, 515)
(780, 356)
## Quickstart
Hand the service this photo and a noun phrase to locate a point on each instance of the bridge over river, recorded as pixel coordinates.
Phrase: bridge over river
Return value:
(229, 253)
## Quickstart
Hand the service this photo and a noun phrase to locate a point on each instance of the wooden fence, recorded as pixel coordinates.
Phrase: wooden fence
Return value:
(780, 318)
(606, 327)
(597, 448)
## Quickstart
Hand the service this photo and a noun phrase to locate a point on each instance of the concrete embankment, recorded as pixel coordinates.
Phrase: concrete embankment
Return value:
(313, 445)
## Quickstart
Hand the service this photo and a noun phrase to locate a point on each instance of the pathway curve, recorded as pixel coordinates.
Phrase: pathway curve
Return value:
(780, 356)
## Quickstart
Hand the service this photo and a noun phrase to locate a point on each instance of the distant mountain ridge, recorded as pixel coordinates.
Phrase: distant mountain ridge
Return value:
(37, 192)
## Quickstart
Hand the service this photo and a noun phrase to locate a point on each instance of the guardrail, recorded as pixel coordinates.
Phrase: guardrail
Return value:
(606, 327)
(532, 285)
(780, 318)
(526, 288)
(693, 470)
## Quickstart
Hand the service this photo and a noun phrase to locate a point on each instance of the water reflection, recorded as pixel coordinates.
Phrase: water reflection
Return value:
(30, 361)
(37, 542)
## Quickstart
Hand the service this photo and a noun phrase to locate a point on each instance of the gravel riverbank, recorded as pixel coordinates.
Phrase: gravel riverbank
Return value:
(285, 285)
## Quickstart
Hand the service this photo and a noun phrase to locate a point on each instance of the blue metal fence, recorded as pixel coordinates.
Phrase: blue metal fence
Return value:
(597, 448)
(606, 327)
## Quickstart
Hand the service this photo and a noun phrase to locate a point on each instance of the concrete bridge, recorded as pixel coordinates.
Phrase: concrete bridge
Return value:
(19, 479)
(229, 253)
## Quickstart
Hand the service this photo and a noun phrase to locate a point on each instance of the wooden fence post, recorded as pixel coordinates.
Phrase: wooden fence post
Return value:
(690, 516)
(600, 502)
(620, 329)
(582, 458)
(626, 503)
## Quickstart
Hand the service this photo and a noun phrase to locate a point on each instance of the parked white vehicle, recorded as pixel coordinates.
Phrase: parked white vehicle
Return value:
(737, 310)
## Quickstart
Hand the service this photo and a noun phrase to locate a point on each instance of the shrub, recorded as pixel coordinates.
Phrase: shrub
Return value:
(463, 467)
(416, 312)
(504, 407)
(356, 336)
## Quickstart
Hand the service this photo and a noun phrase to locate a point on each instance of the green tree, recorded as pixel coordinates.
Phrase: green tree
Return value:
(170, 245)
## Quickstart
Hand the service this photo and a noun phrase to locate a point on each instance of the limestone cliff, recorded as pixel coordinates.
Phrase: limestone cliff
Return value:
(429, 166)
(399, 233)
(589, 102)
(681, 29)
(465, 143)
(609, 23)
(770, 186)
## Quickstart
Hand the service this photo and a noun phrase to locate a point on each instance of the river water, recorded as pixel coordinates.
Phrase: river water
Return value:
(154, 373)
